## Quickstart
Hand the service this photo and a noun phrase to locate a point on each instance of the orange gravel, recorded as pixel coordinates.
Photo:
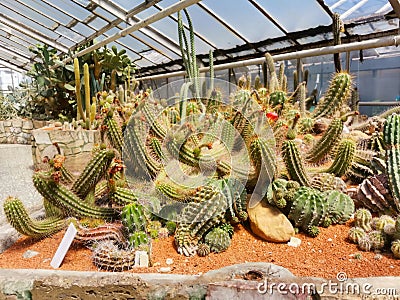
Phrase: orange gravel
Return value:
(323, 256)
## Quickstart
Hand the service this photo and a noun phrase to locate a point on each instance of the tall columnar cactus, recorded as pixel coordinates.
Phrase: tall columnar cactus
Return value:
(81, 113)
(86, 78)
(337, 28)
(18, 217)
(391, 133)
(122, 196)
(294, 164)
(337, 94)
(327, 143)
(344, 158)
(309, 209)
(63, 198)
(93, 172)
(114, 132)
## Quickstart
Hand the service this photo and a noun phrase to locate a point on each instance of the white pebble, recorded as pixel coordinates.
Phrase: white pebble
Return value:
(165, 269)
(294, 242)
(169, 261)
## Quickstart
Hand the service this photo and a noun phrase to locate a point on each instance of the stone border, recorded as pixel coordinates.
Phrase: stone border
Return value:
(18, 131)
(218, 284)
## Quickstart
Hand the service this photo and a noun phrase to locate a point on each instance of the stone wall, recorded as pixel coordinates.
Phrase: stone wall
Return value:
(18, 131)
(76, 145)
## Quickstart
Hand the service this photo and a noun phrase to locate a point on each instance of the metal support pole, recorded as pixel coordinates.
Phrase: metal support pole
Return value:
(373, 43)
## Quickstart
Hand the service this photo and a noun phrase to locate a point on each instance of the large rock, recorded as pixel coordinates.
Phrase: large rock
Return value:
(269, 223)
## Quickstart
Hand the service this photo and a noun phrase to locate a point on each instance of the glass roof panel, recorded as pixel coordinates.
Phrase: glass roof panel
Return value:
(154, 44)
(371, 28)
(69, 34)
(234, 15)
(104, 14)
(48, 10)
(202, 22)
(98, 23)
(296, 15)
(28, 13)
(67, 42)
(83, 29)
(71, 8)
(127, 4)
(17, 40)
(27, 22)
(6, 42)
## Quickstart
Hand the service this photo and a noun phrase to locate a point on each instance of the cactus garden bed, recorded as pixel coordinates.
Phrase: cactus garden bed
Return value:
(323, 256)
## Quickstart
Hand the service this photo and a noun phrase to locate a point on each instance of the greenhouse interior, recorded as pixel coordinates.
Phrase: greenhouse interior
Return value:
(199, 149)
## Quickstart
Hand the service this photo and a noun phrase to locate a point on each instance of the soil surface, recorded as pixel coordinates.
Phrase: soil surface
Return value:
(324, 256)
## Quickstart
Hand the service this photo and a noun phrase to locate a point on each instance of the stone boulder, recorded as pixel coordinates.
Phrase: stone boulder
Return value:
(269, 223)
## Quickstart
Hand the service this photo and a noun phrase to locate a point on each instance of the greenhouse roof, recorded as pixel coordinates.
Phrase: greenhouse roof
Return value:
(234, 30)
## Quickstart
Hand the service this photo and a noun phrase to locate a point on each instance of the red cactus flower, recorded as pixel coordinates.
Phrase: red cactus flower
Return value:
(273, 116)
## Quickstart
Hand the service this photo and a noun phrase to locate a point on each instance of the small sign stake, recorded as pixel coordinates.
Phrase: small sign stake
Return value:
(64, 246)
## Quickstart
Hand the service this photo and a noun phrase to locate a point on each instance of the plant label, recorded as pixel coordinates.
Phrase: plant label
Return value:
(64, 246)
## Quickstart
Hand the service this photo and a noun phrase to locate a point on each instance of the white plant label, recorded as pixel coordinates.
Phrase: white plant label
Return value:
(64, 246)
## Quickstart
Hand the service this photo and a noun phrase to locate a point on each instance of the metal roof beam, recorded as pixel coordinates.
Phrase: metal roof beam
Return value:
(142, 6)
(383, 8)
(14, 54)
(145, 22)
(24, 29)
(353, 9)
(396, 7)
(337, 4)
(11, 66)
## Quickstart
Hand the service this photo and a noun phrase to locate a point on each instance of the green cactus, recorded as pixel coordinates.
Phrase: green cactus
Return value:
(327, 143)
(133, 217)
(68, 201)
(93, 172)
(122, 196)
(114, 132)
(294, 164)
(218, 239)
(18, 217)
(138, 239)
(362, 219)
(356, 234)
(337, 28)
(206, 210)
(309, 208)
(171, 226)
(344, 158)
(340, 206)
(227, 228)
(391, 133)
(337, 94)
(395, 248)
(383, 221)
(378, 239)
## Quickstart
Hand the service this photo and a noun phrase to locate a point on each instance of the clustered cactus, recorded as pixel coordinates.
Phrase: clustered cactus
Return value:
(375, 233)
